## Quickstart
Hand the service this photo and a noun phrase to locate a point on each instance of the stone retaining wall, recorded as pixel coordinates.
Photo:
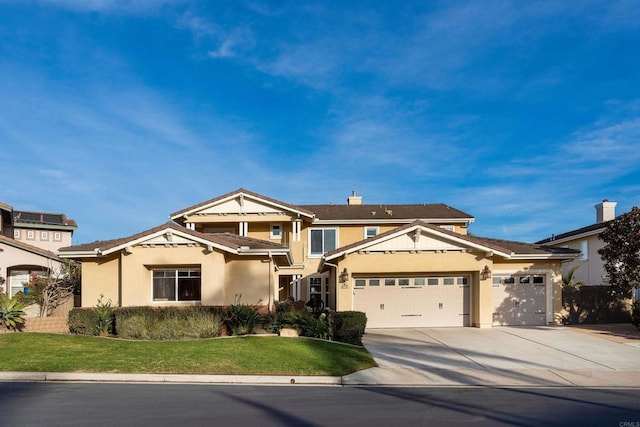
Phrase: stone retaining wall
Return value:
(53, 325)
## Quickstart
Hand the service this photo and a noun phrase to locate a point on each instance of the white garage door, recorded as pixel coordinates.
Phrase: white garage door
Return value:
(397, 302)
(519, 299)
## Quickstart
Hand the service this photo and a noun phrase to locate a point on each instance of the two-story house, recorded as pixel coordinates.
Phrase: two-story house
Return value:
(586, 240)
(28, 244)
(404, 265)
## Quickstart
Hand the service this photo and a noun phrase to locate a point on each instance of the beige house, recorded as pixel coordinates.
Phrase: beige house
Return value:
(404, 265)
(28, 242)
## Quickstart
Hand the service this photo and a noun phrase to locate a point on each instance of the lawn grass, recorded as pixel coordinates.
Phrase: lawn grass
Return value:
(251, 355)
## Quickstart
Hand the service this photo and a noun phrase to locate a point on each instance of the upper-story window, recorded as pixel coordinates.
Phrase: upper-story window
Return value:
(322, 240)
(584, 250)
(447, 227)
(370, 232)
(44, 235)
(276, 231)
(57, 236)
(16, 234)
(31, 235)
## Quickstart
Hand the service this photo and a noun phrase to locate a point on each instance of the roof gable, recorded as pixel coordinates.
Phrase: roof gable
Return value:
(417, 236)
(28, 248)
(241, 201)
(172, 234)
(420, 236)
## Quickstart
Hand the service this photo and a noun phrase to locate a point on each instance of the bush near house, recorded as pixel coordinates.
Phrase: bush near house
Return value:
(84, 321)
(349, 326)
(240, 319)
(344, 326)
(149, 323)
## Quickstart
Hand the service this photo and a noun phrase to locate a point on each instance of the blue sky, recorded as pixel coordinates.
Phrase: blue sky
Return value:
(523, 114)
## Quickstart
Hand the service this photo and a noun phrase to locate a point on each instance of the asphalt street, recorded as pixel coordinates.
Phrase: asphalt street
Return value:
(103, 404)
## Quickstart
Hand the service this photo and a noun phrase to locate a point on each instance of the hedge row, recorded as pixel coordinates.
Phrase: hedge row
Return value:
(152, 323)
(166, 323)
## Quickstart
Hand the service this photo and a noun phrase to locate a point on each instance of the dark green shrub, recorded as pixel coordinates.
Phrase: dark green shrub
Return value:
(635, 314)
(349, 326)
(168, 323)
(241, 319)
(83, 321)
(317, 327)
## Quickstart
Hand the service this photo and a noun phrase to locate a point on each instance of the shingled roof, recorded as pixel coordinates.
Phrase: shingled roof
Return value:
(589, 229)
(429, 211)
(505, 248)
(29, 248)
(231, 241)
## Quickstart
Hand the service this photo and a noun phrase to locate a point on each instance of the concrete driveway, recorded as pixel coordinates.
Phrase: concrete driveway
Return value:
(504, 356)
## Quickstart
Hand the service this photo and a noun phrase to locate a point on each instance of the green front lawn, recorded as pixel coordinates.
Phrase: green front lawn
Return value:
(253, 355)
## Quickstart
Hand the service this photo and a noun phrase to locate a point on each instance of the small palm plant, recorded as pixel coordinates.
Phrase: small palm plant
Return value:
(11, 313)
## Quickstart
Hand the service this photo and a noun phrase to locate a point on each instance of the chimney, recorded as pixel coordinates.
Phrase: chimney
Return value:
(605, 211)
(354, 199)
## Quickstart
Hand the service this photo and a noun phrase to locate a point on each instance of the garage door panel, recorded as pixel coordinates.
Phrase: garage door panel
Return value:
(414, 306)
(519, 300)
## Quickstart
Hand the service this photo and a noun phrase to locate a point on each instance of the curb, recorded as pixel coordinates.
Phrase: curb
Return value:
(168, 378)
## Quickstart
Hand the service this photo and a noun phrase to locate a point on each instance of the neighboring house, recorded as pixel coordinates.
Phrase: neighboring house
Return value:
(404, 265)
(28, 241)
(585, 240)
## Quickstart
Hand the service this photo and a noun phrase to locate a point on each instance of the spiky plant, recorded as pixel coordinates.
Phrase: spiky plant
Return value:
(11, 313)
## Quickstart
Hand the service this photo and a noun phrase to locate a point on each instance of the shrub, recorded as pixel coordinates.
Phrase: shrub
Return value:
(168, 323)
(317, 327)
(83, 321)
(349, 326)
(11, 313)
(635, 313)
(104, 312)
(241, 319)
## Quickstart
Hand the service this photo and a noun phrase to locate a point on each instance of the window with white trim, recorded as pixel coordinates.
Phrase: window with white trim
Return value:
(322, 240)
(447, 227)
(31, 235)
(276, 231)
(16, 234)
(57, 236)
(370, 232)
(179, 284)
(44, 235)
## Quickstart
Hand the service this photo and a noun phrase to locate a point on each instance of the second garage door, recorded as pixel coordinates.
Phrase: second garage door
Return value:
(396, 302)
(519, 299)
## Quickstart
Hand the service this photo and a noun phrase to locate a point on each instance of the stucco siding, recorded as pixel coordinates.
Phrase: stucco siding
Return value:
(250, 281)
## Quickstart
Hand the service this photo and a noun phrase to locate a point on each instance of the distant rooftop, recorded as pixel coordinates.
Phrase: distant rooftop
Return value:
(24, 218)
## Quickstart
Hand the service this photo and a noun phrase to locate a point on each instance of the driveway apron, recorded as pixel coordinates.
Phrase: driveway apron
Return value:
(508, 356)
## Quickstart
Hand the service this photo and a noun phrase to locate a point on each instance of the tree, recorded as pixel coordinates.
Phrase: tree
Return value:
(54, 289)
(621, 254)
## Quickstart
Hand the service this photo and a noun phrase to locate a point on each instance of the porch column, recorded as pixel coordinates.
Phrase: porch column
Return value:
(296, 226)
(295, 285)
(243, 229)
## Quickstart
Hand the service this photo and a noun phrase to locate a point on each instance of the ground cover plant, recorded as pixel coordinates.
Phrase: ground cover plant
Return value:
(250, 355)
